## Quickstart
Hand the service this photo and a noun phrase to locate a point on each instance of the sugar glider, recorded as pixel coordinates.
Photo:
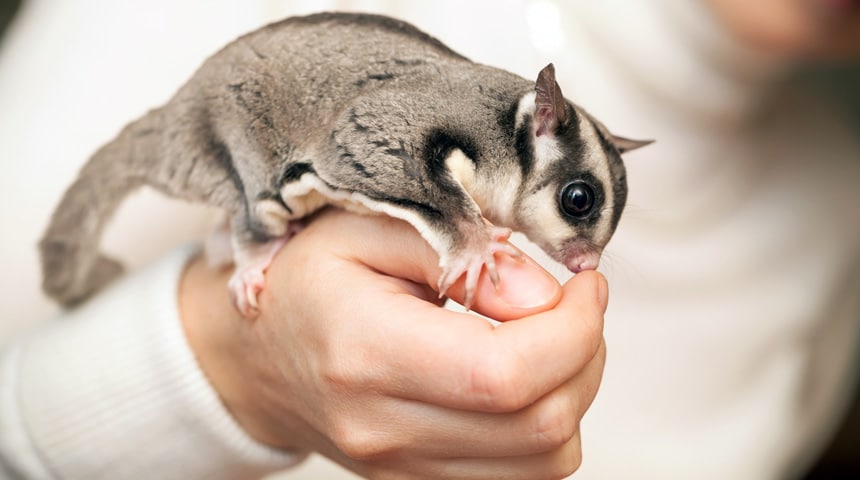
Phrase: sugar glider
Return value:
(364, 112)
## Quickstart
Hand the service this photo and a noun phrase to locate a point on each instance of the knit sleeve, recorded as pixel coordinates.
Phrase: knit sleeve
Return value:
(112, 390)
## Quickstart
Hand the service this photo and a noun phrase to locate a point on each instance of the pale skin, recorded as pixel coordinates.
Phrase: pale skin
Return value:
(352, 357)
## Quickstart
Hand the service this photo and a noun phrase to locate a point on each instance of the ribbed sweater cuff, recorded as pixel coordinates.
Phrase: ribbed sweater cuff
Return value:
(112, 390)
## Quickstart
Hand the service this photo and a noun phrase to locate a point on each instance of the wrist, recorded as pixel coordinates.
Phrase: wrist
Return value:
(218, 337)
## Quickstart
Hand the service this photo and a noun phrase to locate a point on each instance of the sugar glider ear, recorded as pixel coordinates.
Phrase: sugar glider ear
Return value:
(625, 145)
(550, 105)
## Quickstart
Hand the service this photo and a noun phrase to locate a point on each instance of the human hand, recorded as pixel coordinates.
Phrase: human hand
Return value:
(352, 357)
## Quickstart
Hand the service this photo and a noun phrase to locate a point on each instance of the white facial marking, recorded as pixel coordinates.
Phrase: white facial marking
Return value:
(597, 161)
(547, 228)
(525, 108)
(546, 148)
(546, 152)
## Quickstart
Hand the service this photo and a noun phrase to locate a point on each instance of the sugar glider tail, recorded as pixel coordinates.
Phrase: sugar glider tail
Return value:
(72, 266)
(143, 153)
(169, 149)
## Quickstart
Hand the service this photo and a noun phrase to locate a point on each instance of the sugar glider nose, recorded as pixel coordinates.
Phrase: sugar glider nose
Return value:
(583, 261)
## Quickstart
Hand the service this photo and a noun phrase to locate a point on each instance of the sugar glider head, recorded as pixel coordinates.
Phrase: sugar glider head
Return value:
(575, 185)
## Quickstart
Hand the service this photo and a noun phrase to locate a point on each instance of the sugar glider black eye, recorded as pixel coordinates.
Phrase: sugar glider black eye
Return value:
(577, 199)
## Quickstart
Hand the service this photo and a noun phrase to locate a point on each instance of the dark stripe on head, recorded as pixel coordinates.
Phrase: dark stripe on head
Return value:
(524, 145)
(569, 137)
(605, 144)
(521, 136)
(616, 171)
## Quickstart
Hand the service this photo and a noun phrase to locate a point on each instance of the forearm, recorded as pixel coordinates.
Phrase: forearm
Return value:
(113, 390)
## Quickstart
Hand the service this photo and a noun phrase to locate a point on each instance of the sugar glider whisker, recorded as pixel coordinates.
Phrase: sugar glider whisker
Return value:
(364, 112)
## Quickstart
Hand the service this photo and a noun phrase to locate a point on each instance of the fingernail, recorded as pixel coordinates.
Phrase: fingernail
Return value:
(525, 284)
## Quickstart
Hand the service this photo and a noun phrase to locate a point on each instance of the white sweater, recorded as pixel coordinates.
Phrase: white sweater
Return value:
(733, 322)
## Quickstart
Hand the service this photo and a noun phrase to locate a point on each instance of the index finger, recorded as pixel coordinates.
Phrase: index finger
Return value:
(460, 361)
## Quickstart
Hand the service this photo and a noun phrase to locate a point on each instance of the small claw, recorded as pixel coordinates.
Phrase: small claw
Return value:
(471, 261)
(445, 282)
(513, 251)
(244, 287)
(473, 273)
(493, 272)
(468, 299)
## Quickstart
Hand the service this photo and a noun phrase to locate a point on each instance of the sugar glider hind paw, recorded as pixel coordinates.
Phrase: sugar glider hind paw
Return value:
(471, 260)
(245, 285)
(249, 278)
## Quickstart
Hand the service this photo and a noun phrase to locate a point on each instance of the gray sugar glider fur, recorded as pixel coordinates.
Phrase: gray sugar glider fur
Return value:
(361, 111)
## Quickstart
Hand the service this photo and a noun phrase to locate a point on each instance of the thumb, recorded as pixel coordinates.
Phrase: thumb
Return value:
(395, 248)
(525, 288)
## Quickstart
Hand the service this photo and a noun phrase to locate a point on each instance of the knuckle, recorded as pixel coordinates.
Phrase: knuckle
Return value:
(348, 439)
(499, 384)
(360, 443)
(336, 374)
(342, 375)
(555, 422)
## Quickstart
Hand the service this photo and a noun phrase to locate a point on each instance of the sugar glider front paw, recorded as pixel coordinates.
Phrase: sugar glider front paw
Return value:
(471, 259)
